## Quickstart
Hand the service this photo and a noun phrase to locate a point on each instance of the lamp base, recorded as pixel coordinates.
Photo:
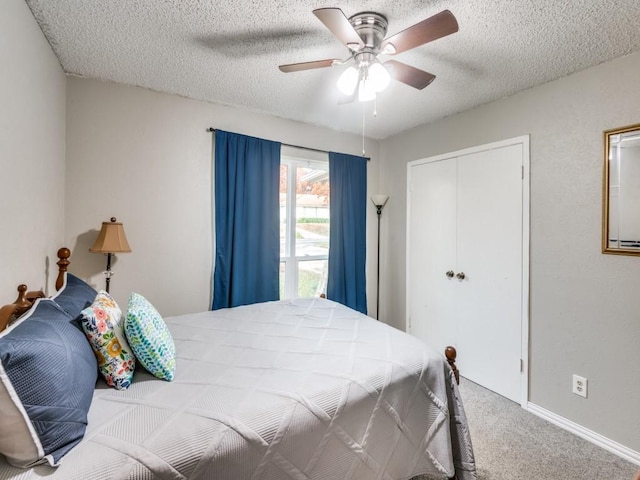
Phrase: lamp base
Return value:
(108, 273)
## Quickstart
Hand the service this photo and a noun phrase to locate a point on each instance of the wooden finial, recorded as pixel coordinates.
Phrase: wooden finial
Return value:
(21, 303)
(25, 300)
(451, 354)
(63, 254)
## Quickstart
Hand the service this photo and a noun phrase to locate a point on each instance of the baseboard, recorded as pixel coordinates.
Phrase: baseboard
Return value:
(589, 435)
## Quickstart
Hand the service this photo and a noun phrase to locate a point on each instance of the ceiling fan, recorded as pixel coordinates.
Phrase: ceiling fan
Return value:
(364, 35)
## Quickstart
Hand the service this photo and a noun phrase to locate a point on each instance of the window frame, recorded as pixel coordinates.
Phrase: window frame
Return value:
(290, 259)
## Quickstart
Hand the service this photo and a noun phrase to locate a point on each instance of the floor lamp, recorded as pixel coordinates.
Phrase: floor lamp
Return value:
(111, 239)
(379, 201)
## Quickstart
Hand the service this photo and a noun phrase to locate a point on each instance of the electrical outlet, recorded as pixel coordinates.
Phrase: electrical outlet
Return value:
(580, 386)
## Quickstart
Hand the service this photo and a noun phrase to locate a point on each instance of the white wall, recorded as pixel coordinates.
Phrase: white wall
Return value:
(32, 153)
(584, 310)
(146, 158)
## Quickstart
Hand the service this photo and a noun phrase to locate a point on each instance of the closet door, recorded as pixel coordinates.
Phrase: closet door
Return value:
(489, 252)
(466, 218)
(431, 241)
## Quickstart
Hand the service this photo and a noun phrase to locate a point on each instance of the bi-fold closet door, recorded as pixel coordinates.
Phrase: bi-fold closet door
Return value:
(465, 261)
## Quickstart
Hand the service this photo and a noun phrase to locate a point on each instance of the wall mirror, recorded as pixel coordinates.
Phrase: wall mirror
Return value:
(621, 191)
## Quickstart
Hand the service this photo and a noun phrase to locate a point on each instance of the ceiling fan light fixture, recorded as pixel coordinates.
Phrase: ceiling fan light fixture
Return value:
(378, 77)
(348, 81)
(366, 92)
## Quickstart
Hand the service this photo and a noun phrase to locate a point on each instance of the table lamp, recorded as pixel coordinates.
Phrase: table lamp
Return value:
(111, 239)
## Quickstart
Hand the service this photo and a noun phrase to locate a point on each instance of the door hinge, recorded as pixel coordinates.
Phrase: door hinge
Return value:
(522, 172)
(521, 366)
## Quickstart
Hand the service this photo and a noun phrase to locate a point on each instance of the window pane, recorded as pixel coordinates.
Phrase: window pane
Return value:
(304, 227)
(312, 212)
(284, 171)
(312, 278)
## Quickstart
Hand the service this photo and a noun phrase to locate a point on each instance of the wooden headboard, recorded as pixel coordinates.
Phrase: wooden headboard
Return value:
(26, 298)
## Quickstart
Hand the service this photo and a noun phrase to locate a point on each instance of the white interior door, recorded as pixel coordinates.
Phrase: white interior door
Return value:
(489, 251)
(431, 237)
(468, 213)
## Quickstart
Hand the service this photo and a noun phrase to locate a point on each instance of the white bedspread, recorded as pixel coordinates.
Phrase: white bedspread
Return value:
(304, 389)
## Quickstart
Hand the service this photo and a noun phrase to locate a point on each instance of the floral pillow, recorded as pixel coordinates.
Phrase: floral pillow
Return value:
(103, 326)
(150, 338)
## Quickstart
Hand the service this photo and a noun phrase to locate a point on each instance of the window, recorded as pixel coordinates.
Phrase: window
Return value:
(304, 223)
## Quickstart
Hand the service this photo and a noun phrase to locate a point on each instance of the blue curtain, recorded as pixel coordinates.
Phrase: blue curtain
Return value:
(347, 234)
(247, 209)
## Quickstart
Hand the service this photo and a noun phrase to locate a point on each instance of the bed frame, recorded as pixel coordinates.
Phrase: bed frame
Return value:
(23, 303)
(25, 299)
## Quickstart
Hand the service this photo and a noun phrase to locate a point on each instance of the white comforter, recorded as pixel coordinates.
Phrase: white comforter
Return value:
(304, 389)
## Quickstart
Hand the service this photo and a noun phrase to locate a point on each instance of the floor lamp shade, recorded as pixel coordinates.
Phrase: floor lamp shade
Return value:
(111, 239)
(379, 200)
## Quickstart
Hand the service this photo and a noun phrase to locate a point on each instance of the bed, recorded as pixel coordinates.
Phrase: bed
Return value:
(293, 389)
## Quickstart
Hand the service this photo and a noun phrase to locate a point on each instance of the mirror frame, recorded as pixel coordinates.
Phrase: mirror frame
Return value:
(607, 134)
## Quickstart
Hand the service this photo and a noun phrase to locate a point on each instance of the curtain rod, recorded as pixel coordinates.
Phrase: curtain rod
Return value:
(211, 129)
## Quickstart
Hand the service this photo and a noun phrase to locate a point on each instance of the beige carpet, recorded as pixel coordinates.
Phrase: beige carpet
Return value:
(513, 444)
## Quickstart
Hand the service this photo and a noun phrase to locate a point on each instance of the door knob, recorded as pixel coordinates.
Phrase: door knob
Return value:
(460, 276)
(449, 274)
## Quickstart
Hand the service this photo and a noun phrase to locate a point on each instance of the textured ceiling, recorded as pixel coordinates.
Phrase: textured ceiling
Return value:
(228, 52)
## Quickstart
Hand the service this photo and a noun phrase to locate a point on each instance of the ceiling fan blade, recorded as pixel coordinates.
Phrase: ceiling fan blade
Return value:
(438, 26)
(339, 25)
(296, 67)
(412, 76)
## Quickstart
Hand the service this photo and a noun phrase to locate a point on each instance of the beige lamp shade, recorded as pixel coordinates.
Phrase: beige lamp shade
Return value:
(111, 239)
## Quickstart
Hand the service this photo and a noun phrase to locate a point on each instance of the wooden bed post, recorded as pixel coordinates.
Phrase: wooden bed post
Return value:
(451, 354)
(25, 299)
(22, 304)
(63, 254)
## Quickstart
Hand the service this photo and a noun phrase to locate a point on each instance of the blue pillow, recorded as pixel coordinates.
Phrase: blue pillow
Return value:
(75, 295)
(47, 378)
